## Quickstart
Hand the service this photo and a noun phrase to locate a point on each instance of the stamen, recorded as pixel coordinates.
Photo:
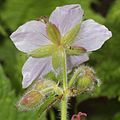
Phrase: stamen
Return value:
(43, 19)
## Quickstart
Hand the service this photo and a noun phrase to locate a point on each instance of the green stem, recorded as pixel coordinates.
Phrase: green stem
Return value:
(64, 73)
(74, 77)
(64, 69)
(64, 108)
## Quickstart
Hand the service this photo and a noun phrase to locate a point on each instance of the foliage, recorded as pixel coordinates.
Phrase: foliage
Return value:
(8, 101)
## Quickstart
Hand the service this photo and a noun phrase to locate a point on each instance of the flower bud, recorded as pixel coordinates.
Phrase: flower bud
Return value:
(78, 116)
(84, 82)
(47, 86)
(87, 78)
(43, 84)
(31, 100)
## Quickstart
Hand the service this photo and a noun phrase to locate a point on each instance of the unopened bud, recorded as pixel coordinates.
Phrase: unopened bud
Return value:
(87, 78)
(47, 86)
(84, 82)
(31, 100)
(43, 84)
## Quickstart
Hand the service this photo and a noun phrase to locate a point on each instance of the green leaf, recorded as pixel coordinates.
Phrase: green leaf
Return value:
(70, 35)
(16, 13)
(2, 31)
(43, 51)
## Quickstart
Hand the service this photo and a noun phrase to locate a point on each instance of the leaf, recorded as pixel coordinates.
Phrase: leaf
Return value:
(2, 31)
(8, 101)
(18, 12)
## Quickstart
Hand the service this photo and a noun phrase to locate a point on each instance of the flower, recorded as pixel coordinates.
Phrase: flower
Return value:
(78, 116)
(64, 29)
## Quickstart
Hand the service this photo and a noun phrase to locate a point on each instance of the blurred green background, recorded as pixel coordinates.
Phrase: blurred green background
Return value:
(104, 103)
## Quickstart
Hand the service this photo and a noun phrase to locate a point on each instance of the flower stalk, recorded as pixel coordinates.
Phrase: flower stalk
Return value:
(64, 73)
(64, 68)
(64, 108)
(74, 77)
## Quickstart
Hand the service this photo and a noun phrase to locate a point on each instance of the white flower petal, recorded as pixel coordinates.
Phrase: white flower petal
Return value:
(66, 17)
(92, 35)
(30, 36)
(74, 61)
(35, 67)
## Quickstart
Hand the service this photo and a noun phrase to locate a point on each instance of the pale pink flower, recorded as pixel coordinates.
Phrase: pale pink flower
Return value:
(78, 116)
(33, 35)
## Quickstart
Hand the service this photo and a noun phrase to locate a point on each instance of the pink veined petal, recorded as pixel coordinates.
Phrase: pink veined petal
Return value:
(66, 17)
(92, 35)
(30, 36)
(35, 67)
(74, 61)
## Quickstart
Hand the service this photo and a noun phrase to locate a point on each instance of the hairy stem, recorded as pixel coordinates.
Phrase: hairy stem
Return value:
(64, 73)
(64, 69)
(64, 108)
(74, 77)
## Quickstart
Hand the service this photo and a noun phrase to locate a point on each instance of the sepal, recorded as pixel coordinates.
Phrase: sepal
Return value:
(43, 51)
(70, 35)
(53, 33)
(75, 50)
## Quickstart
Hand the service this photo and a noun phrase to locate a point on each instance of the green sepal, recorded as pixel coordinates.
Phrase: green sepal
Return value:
(84, 82)
(75, 50)
(70, 35)
(40, 85)
(43, 51)
(56, 59)
(53, 33)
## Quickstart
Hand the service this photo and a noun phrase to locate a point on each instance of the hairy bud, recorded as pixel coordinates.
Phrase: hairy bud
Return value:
(30, 100)
(87, 78)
